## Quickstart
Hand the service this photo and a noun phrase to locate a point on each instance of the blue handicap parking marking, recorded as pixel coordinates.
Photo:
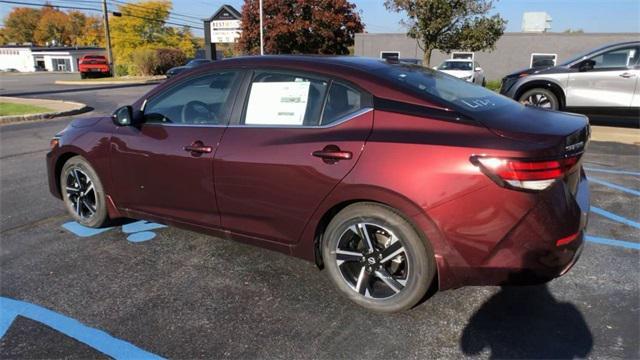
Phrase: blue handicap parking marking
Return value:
(97, 339)
(141, 225)
(141, 236)
(136, 232)
(614, 186)
(613, 242)
(613, 171)
(615, 217)
(83, 231)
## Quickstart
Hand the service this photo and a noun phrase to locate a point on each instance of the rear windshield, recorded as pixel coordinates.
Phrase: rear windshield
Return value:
(444, 88)
(456, 65)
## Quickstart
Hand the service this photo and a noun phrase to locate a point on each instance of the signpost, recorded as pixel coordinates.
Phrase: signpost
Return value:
(222, 27)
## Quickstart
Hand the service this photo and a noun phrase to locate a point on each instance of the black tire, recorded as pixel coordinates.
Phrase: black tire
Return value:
(540, 97)
(484, 82)
(76, 179)
(83, 76)
(415, 266)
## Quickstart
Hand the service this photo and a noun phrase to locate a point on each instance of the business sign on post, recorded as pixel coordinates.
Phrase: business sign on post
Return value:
(225, 25)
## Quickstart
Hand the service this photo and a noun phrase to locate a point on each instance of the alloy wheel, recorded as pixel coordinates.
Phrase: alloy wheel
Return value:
(372, 261)
(81, 192)
(538, 100)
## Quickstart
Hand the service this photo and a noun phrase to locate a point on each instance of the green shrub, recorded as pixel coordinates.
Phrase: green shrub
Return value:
(122, 70)
(145, 61)
(493, 85)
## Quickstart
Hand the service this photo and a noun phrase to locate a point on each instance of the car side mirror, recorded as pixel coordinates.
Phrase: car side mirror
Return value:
(478, 68)
(435, 68)
(123, 116)
(587, 65)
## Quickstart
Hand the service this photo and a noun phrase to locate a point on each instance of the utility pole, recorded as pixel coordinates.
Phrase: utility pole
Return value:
(107, 35)
(261, 33)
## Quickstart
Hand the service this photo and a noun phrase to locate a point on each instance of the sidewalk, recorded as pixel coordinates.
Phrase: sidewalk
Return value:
(615, 134)
(58, 108)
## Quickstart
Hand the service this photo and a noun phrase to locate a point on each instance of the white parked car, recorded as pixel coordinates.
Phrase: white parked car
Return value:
(465, 69)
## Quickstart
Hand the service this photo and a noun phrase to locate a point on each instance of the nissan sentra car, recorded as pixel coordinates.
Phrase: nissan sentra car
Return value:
(392, 177)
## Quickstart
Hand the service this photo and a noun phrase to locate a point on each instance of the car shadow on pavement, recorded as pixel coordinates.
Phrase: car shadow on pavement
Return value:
(527, 322)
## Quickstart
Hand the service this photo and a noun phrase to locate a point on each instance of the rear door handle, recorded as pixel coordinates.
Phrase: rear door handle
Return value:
(627, 75)
(332, 154)
(198, 147)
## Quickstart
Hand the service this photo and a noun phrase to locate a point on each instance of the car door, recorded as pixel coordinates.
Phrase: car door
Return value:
(607, 79)
(164, 165)
(296, 135)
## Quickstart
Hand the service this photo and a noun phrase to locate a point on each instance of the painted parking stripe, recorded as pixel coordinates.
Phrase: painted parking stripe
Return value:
(615, 217)
(614, 186)
(83, 231)
(609, 171)
(97, 339)
(613, 242)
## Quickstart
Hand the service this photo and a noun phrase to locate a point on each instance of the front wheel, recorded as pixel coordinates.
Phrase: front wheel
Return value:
(542, 98)
(83, 193)
(376, 259)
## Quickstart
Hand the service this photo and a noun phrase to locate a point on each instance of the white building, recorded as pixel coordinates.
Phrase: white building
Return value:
(33, 58)
(536, 22)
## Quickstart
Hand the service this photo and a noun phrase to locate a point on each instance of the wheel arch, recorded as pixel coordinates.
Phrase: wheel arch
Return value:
(551, 85)
(419, 220)
(59, 164)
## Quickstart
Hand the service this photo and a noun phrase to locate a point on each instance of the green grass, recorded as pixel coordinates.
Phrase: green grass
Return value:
(493, 85)
(8, 108)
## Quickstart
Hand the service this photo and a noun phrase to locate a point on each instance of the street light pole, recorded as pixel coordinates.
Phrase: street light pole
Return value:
(261, 31)
(107, 35)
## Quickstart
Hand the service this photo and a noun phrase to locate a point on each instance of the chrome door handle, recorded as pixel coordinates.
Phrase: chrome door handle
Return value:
(198, 147)
(332, 154)
(627, 75)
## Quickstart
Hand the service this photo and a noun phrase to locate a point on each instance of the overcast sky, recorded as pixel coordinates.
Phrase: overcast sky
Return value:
(588, 15)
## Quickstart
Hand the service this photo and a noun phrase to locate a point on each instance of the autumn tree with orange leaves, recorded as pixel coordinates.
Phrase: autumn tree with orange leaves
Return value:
(300, 26)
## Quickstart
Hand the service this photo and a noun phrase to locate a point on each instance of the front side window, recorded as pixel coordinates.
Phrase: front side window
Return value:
(619, 58)
(342, 100)
(201, 100)
(284, 99)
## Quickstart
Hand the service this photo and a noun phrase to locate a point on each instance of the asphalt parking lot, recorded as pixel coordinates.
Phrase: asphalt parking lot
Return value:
(139, 290)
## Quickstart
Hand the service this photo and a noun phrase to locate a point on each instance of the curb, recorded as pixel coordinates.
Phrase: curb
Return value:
(115, 82)
(78, 109)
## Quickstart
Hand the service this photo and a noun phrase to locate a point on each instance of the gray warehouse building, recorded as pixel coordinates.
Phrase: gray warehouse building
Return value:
(514, 51)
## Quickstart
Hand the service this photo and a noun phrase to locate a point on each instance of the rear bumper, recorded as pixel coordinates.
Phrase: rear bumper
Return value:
(544, 244)
(94, 69)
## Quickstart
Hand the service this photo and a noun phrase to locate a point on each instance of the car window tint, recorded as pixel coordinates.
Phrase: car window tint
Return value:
(279, 98)
(341, 100)
(616, 58)
(196, 101)
(436, 84)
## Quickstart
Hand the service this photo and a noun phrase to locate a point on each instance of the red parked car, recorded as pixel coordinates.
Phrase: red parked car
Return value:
(391, 176)
(90, 65)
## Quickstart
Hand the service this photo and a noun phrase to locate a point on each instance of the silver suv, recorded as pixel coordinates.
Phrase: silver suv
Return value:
(603, 81)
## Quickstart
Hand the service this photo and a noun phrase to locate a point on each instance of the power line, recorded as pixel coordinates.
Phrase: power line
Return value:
(98, 10)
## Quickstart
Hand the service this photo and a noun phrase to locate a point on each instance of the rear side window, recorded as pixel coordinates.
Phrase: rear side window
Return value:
(437, 85)
(284, 99)
(342, 100)
(202, 100)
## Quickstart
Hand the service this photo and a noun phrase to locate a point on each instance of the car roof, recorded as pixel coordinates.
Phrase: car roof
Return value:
(458, 60)
(362, 72)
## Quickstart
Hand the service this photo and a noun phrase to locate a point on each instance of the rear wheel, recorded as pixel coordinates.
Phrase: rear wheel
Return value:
(376, 258)
(83, 75)
(540, 98)
(83, 193)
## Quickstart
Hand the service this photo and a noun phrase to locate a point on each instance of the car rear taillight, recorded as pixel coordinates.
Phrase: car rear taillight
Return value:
(525, 174)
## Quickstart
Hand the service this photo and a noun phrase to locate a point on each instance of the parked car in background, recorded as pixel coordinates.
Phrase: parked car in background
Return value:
(468, 70)
(190, 65)
(604, 81)
(93, 65)
(411, 61)
(283, 152)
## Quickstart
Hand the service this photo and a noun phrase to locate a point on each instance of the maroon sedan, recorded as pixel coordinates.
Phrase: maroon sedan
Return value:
(391, 176)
